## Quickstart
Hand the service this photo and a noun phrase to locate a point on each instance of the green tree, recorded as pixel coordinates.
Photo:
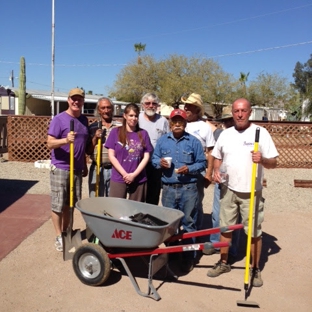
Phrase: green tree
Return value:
(303, 78)
(136, 79)
(22, 88)
(139, 48)
(303, 83)
(269, 90)
(243, 80)
(172, 77)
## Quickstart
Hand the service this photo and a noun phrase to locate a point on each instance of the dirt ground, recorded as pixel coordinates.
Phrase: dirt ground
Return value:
(35, 278)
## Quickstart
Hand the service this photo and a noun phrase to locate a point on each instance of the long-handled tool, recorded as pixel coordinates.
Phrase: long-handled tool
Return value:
(97, 181)
(71, 238)
(251, 208)
(98, 161)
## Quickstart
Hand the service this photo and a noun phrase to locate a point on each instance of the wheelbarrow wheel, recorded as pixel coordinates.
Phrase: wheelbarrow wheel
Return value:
(91, 264)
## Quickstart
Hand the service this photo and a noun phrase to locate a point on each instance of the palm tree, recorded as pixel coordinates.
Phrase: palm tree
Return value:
(243, 79)
(139, 47)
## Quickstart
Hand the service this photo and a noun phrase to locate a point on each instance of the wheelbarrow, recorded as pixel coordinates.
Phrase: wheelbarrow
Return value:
(121, 234)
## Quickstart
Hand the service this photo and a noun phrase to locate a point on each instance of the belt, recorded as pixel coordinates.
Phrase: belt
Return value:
(104, 165)
(177, 185)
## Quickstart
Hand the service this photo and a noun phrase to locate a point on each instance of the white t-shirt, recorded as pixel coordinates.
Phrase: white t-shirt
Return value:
(202, 131)
(155, 128)
(235, 147)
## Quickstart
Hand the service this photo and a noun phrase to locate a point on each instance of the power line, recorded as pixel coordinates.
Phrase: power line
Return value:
(216, 56)
(66, 65)
(262, 50)
(186, 30)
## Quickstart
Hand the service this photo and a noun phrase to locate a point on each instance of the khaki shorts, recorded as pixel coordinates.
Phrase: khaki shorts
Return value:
(234, 203)
(60, 190)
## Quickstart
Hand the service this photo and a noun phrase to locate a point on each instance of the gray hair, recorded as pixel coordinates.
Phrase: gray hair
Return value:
(96, 111)
(150, 95)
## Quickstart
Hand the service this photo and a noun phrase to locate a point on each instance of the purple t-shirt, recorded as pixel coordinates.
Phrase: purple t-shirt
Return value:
(130, 155)
(59, 128)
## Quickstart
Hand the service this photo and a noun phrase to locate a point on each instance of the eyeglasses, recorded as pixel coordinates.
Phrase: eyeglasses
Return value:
(150, 103)
(105, 107)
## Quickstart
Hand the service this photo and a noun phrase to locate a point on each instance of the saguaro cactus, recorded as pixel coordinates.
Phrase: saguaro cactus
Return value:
(22, 88)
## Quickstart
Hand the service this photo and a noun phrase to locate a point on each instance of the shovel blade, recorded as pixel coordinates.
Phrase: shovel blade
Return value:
(71, 242)
(245, 303)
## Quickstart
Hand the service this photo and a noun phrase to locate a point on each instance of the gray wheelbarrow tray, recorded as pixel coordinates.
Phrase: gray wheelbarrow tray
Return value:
(118, 233)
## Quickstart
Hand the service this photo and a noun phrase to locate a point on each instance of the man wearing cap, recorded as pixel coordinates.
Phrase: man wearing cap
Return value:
(59, 139)
(155, 125)
(180, 177)
(193, 105)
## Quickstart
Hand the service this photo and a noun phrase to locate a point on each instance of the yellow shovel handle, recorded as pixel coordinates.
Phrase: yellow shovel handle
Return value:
(71, 168)
(98, 162)
(251, 208)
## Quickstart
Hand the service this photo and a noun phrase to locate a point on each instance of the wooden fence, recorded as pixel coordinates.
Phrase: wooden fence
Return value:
(27, 137)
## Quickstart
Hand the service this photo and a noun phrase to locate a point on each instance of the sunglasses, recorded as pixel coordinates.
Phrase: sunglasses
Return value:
(150, 103)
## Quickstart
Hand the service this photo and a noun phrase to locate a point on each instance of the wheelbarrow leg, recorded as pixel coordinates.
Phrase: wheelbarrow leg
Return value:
(151, 291)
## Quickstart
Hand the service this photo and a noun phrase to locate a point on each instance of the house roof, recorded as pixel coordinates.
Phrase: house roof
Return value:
(62, 96)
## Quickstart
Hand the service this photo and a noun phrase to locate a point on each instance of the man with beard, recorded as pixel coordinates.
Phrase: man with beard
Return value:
(180, 177)
(155, 125)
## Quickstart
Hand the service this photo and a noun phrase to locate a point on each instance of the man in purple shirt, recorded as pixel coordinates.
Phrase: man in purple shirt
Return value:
(59, 139)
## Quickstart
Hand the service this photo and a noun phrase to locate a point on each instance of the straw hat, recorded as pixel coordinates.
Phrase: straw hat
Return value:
(194, 99)
(226, 113)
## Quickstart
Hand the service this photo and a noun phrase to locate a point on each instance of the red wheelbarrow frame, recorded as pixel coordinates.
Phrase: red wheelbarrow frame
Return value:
(155, 264)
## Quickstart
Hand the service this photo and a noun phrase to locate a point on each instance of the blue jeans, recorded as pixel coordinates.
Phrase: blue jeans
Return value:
(201, 193)
(104, 181)
(183, 198)
(215, 216)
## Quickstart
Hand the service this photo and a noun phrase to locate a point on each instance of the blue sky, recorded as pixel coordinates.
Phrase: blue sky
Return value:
(94, 39)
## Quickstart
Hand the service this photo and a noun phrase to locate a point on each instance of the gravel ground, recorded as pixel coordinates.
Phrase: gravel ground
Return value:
(35, 278)
(280, 192)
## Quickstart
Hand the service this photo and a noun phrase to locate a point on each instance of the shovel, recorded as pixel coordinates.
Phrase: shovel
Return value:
(245, 303)
(71, 238)
(98, 161)
(97, 181)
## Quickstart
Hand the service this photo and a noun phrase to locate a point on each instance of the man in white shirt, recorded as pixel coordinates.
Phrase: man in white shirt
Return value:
(193, 105)
(235, 149)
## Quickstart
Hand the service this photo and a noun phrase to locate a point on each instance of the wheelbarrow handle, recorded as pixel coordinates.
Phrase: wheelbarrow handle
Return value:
(204, 232)
(167, 250)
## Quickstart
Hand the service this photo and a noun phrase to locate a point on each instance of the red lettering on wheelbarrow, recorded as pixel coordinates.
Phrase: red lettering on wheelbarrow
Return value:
(121, 234)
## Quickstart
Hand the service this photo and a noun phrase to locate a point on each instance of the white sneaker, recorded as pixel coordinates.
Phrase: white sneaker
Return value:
(58, 243)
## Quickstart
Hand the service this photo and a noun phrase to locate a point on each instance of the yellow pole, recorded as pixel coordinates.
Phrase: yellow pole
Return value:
(98, 162)
(251, 208)
(71, 169)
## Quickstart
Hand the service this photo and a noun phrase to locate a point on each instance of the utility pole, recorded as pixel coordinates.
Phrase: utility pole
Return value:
(52, 63)
(12, 79)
